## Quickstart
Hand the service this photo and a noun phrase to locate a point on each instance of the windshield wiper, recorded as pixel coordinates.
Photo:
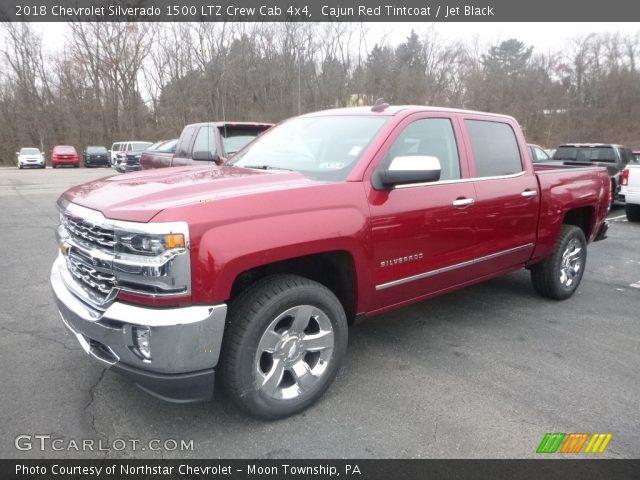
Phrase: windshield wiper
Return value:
(266, 167)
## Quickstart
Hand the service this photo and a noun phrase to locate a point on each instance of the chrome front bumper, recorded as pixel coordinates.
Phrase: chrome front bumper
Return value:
(185, 342)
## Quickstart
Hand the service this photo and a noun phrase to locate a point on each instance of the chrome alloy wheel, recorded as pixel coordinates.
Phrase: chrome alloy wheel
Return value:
(294, 352)
(571, 263)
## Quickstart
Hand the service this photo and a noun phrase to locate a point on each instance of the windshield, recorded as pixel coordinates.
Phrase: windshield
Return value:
(234, 137)
(96, 150)
(323, 148)
(233, 144)
(585, 154)
(29, 151)
(156, 145)
(168, 146)
(139, 146)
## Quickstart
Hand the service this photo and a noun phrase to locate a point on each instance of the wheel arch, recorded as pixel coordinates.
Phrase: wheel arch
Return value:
(583, 218)
(335, 269)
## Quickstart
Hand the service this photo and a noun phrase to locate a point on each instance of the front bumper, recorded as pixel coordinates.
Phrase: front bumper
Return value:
(97, 162)
(28, 163)
(184, 342)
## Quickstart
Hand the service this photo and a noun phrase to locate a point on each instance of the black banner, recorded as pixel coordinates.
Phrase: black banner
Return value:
(320, 469)
(320, 11)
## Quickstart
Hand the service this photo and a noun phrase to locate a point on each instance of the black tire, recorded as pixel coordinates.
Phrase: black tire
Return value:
(633, 212)
(547, 276)
(262, 308)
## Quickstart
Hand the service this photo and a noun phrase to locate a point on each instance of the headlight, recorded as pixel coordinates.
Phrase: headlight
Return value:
(148, 244)
(153, 258)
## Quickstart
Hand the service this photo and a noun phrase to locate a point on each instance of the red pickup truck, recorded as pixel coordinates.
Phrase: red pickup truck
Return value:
(210, 142)
(254, 270)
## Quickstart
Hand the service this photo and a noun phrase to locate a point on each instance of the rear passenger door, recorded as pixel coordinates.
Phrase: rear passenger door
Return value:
(507, 196)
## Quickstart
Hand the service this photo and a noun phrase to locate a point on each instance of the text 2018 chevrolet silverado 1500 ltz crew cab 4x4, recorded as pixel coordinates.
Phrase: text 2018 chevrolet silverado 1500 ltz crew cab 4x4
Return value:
(254, 270)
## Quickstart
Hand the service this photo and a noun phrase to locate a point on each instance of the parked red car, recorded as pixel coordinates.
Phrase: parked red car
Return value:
(64, 155)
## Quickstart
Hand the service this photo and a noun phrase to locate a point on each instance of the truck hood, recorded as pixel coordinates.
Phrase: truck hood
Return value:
(139, 196)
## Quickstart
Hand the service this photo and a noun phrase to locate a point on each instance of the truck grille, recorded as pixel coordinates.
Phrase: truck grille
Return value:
(89, 255)
(98, 284)
(90, 234)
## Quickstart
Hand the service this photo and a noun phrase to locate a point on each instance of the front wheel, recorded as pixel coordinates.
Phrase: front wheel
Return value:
(286, 339)
(559, 275)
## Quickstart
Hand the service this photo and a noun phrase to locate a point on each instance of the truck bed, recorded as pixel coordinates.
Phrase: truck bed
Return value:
(564, 188)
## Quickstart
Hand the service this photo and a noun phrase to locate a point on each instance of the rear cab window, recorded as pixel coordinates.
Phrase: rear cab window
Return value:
(495, 148)
(585, 154)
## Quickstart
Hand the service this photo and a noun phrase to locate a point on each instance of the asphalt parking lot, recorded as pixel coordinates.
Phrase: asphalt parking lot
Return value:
(483, 372)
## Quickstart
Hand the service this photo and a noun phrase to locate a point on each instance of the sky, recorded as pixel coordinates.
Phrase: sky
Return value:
(544, 37)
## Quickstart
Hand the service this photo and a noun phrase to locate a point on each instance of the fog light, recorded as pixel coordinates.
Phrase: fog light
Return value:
(141, 340)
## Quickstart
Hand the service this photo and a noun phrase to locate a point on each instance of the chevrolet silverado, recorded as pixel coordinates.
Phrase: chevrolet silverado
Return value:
(213, 142)
(252, 271)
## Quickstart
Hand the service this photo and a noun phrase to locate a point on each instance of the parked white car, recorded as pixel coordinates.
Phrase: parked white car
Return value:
(123, 148)
(630, 188)
(30, 157)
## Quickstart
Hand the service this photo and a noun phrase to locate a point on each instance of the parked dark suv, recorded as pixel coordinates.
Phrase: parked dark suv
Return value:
(613, 157)
(94, 156)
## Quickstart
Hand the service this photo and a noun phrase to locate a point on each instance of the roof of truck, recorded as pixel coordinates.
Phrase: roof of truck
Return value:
(231, 124)
(393, 110)
(590, 145)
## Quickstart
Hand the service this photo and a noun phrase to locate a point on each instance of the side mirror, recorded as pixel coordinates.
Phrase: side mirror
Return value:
(17, 153)
(407, 170)
(205, 156)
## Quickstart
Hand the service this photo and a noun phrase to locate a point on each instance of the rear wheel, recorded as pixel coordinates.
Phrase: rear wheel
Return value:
(560, 274)
(633, 212)
(286, 339)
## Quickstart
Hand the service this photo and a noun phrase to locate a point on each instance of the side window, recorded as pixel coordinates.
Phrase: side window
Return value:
(182, 150)
(116, 147)
(495, 148)
(432, 137)
(205, 141)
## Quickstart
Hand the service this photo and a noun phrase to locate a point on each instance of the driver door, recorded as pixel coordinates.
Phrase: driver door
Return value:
(423, 235)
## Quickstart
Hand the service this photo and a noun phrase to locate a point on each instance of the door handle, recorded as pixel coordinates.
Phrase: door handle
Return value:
(463, 202)
(529, 193)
